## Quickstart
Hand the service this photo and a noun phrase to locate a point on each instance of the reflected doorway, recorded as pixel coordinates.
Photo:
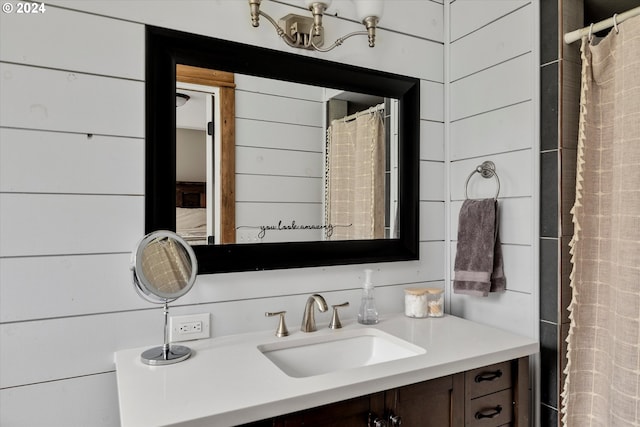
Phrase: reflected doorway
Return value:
(205, 156)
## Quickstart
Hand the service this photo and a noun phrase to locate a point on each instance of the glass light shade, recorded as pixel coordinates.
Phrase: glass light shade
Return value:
(309, 3)
(366, 8)
(181, 99)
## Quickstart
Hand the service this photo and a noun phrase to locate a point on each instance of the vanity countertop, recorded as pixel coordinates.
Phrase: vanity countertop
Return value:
(228, 381)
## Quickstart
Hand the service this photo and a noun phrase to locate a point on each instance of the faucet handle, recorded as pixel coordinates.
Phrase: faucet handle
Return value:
(282, 328)
(335, 320)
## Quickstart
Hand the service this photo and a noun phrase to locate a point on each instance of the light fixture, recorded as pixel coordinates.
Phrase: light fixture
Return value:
(308, 33)
(181, 99)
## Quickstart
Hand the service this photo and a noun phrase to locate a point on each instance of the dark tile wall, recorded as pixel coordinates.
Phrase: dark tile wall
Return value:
(548, 416)
(549, 218)
(548, 364)
(549, 280)
(559, 109)
(550, 104)
(549, 36)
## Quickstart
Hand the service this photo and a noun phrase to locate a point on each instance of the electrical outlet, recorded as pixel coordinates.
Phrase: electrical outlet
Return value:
(189, 327)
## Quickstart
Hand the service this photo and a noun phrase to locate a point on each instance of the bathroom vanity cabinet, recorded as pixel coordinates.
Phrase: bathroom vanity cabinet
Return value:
(492, 396)
(467, 374)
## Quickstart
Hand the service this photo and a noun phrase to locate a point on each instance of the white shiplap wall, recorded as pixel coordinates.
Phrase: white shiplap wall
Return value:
(493, 106)
(279, 158)
(72, 195)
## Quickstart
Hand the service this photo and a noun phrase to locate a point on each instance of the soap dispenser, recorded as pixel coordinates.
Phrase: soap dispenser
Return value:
(368, 315)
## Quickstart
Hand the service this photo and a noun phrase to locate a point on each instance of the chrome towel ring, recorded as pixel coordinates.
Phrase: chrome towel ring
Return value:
(487, 170)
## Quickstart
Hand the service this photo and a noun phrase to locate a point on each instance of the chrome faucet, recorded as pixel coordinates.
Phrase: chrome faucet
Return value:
(309, 320)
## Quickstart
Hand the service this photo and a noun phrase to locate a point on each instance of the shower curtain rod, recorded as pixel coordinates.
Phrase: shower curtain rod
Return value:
(363, 112)
(602, 25)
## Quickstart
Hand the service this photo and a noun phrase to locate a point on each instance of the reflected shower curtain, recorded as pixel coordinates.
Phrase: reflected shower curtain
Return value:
(354, 181)
(166, 264)
(602, 387)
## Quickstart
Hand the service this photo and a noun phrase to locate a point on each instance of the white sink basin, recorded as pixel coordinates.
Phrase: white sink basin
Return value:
(337, 351)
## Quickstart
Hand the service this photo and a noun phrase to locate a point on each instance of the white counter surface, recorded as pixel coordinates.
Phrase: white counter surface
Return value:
(228, 381)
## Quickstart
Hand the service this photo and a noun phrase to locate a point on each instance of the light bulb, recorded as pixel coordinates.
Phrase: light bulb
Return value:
(181, 99)
(309, 3)
(367, 8)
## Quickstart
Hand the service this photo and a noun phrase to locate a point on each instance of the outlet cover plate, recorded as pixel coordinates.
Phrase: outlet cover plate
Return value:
(189, 327)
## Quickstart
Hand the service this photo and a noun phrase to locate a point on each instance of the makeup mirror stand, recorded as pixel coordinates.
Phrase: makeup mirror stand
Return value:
(164, 269)
(165, 354)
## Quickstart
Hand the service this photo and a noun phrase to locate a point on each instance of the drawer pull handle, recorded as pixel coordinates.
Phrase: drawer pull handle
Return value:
(489, 413)
(488, 376)
(395, 420)
(374, 421)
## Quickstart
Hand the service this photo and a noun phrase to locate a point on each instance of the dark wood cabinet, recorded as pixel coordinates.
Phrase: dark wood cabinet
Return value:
(498, 395)
(348, 413)
(492, 396)
(436, 403)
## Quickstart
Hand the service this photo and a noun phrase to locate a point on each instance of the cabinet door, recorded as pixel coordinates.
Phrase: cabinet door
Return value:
(441, 402)
(437, 403)
(348, 413)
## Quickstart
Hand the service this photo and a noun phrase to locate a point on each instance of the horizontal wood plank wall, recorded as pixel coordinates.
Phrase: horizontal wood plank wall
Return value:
(492, 104)
(276, 176)
(72, 194)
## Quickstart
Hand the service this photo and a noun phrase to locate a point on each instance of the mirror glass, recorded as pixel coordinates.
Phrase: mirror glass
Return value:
(279, 177)
(193, 222)
(164, 267)
(321, 166)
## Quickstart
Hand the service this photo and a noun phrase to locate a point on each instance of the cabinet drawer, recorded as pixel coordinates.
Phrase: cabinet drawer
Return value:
(489, 411)
(488, 379)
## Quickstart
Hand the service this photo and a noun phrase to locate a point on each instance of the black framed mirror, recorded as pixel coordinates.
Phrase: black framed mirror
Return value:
(167, 48)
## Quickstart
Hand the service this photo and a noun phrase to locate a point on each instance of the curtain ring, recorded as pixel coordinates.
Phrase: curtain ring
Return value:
(590, 33)
(615, 23)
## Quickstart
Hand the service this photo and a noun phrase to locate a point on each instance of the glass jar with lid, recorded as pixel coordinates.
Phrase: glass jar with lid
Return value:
(435, 297)
(416, 302)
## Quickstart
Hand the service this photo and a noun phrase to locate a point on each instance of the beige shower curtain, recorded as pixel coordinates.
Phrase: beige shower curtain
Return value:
(602, 387)
(166, 264)
(354, 182)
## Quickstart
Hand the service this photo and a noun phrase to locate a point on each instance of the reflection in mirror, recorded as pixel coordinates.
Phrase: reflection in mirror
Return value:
(360, 185)
(205, 156)
(273, 164)
(164, 269)
(192, 144)
(329, 149)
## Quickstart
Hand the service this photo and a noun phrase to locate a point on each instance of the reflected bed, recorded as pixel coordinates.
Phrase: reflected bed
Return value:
(191, 212)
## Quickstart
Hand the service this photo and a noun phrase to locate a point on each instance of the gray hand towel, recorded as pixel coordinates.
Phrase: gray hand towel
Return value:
(478, 267)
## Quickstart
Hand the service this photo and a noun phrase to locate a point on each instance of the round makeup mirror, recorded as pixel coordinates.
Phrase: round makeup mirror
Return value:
(164, 269)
